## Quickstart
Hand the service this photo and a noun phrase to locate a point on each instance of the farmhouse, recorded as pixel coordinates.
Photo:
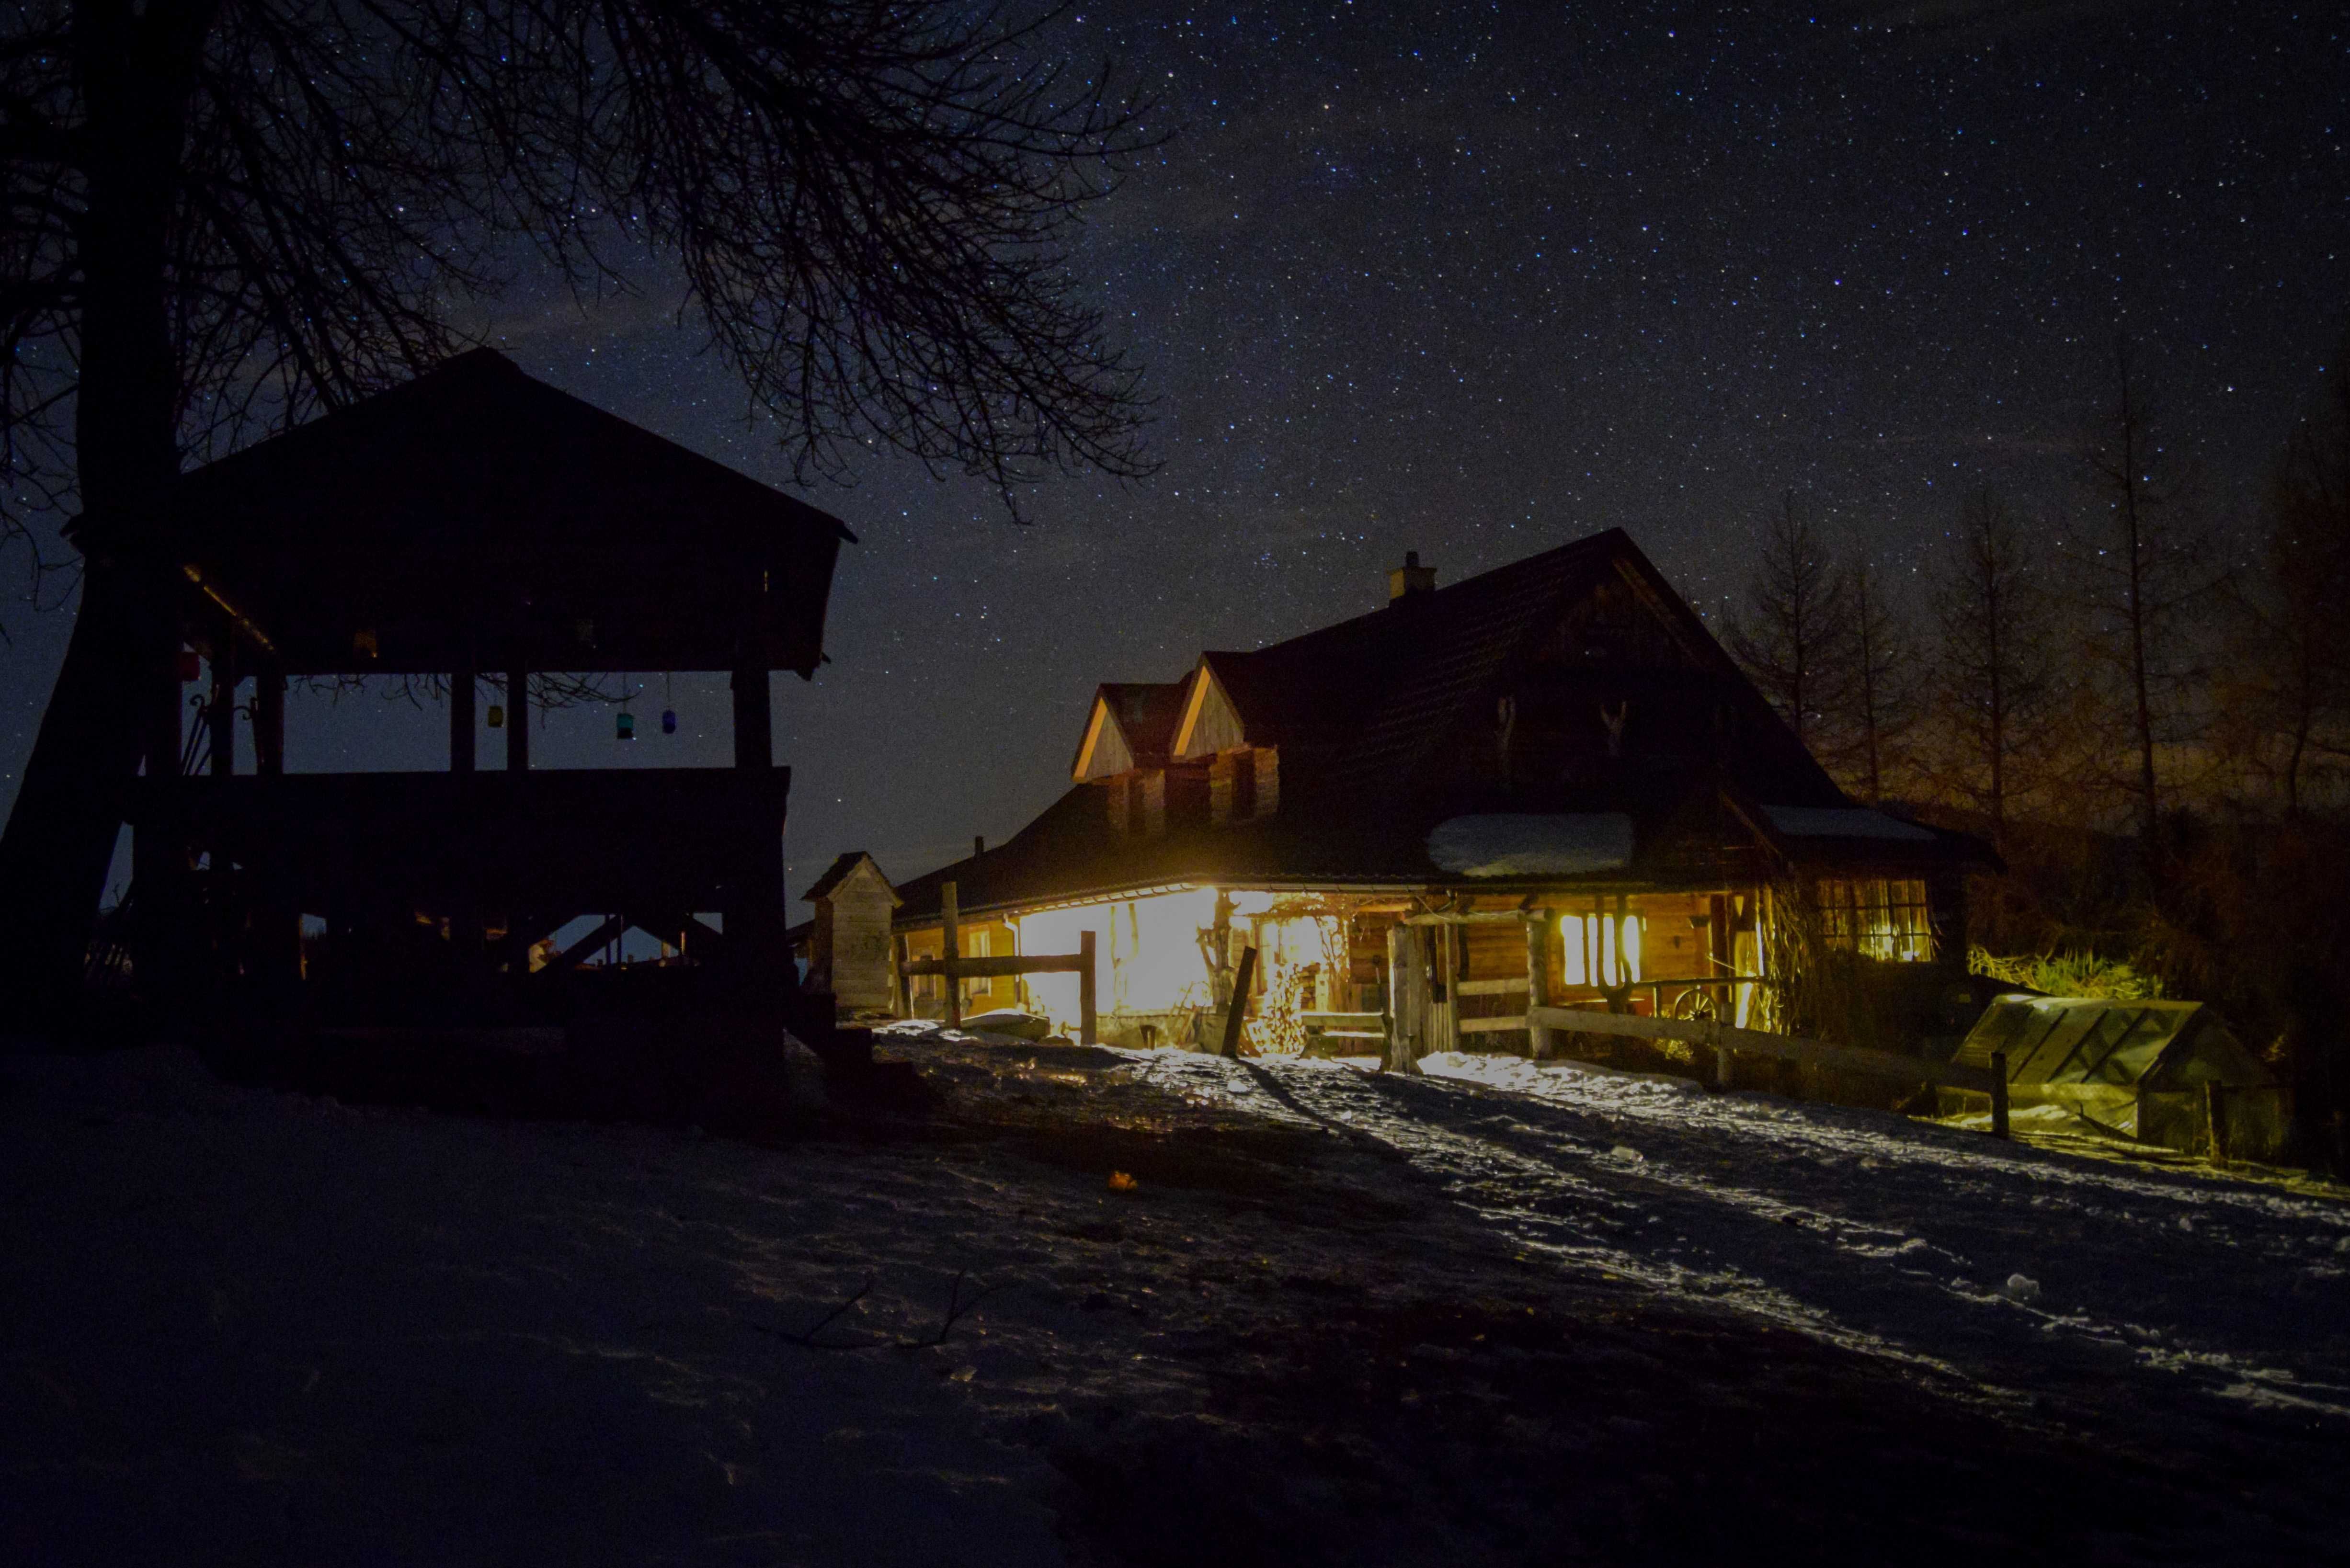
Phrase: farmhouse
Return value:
(1546, 783)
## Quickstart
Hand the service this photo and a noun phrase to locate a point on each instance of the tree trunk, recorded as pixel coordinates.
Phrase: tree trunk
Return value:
(117, 694)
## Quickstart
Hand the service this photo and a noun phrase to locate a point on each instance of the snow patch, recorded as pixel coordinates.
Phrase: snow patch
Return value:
(1522, 844)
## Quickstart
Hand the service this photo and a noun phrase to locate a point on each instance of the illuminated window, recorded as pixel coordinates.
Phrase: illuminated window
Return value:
(1878, 918)
(1589, 949)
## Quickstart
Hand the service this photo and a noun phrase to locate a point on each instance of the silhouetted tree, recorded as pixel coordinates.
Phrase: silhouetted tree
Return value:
(2286, 689)
(1794, 636)
(1996, 670)
(2154, 569)
(223, 215)
(1885, 681)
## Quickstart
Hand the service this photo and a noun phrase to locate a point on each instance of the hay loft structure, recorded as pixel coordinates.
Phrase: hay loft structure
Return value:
(472, 526)
(1546, 783)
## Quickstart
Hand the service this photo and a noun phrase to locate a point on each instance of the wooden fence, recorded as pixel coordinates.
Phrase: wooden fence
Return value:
(1727, 1041)
(957, 967)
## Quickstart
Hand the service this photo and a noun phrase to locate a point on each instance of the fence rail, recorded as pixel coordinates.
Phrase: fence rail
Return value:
(1726, 1042)
(957, 969)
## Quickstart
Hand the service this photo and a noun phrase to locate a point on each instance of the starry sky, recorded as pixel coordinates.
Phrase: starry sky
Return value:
(1475, 280)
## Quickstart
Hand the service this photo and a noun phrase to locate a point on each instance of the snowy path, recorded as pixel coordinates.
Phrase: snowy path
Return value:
(1870, 1230)
(1516, 1315)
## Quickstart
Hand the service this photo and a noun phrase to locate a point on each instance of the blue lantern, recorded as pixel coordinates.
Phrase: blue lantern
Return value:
(669, 721)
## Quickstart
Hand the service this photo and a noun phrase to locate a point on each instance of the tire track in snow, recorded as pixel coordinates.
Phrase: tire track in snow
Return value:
(1760, 1238)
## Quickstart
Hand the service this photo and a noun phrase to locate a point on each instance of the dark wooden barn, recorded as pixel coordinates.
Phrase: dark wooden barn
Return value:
(470, 528)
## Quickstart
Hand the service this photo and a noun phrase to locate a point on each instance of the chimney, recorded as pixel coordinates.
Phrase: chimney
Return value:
(1411, 579)
(978, 844)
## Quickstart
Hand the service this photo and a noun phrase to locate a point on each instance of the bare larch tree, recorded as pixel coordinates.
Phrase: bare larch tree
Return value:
(2287, 690)
(1885, 682)
(1794, 636)
(225, 214)
(1996, 672)
(2160, 582)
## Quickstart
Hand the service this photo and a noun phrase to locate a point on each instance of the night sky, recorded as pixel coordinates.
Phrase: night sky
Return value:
(1477, 280)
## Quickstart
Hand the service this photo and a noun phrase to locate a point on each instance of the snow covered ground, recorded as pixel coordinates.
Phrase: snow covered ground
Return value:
(1498, 1314)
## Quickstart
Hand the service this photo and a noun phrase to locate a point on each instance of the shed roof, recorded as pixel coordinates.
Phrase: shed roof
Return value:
(2096, 1042)
(477, 514)
(839, 872)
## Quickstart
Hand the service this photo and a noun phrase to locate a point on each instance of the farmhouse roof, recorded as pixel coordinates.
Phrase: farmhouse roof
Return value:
(1368, 717)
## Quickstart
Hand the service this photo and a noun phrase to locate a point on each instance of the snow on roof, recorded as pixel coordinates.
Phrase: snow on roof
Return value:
(1518, 844)
(1843, 822)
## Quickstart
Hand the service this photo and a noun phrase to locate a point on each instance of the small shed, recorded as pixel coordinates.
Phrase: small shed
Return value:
(849, 943)
(2140, 1069)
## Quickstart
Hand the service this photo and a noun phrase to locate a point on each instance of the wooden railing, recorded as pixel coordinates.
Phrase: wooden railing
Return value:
(957, 969)
(1727, 1041)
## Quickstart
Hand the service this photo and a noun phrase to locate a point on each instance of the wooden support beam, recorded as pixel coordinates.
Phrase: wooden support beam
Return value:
(1236, 1013)
(1088, 1017)
(269, 722)
(462, 757)
(613, 925)
(1538, 930)
(1406, 1000)
(220, 713)
(901, 999)
(518, 720)
(755, 723)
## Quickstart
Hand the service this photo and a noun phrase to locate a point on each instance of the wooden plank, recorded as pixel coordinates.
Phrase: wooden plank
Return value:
(1467, 917)
(997, 967)
(1491, 1025)
(1492, 987)
(1753, 1042)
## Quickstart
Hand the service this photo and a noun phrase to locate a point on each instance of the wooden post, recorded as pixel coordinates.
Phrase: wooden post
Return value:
(1538, 979)
(1089, 1017)
(1406, 991)
(2215, 1123)
(754, 722)
(221, 713)
(518, 720)
(1242, 979)
(1725, 1068)
(461, 719)
(951, 949)
(901, 984)
(1999, 1094)
(269, 722)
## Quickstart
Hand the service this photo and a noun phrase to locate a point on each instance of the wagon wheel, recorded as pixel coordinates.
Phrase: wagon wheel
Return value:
(1696, 1004)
